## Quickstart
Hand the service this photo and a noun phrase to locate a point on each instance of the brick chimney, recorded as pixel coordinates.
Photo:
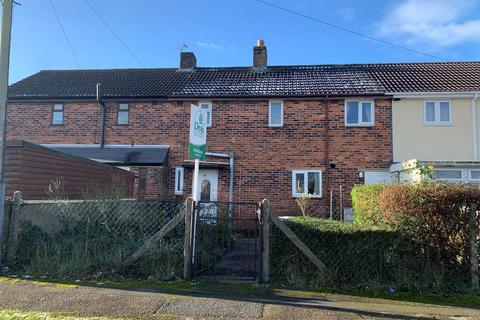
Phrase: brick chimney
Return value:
(260, 55)
(188, 61)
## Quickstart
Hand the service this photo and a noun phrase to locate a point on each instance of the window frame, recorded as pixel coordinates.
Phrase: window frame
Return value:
(62, 111)
(270, 124)
(210, 109)
(470, 179)
(360, 122)
(462, 175)
(437, 121)
(179, 178)
(305, 183)
(123, 110)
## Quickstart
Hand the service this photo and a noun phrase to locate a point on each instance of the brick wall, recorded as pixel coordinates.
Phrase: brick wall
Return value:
(264, 156)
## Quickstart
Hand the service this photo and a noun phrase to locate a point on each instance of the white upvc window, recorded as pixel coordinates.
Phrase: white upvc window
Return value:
(359, 113)
(275, 113)
(449, 175)
(123, 113)
(437, 112)
(307, 183)
(474, 176)
(179, 174)
(207, 107)
(57, 114)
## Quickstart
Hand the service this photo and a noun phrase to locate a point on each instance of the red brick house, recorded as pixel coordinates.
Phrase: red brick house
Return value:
(274, 131)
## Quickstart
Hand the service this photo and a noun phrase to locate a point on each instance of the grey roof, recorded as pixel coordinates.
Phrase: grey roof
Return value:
(427, 77)
(118, 154)
(200, 82)
(275, 81)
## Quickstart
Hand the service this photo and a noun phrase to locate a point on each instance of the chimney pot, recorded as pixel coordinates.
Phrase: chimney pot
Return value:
(188, 61)
(260, 55)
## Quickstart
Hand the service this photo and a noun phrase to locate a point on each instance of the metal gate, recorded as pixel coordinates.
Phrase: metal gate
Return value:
(226, 241)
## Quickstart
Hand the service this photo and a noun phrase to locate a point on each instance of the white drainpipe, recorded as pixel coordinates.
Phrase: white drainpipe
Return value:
(474, 126)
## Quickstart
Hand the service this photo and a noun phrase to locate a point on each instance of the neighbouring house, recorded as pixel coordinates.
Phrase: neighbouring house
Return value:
(40, 173)
(435, 119)
(276, 132)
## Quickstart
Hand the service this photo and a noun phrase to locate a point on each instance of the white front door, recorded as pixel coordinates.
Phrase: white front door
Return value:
(208, 185)
(207, 189)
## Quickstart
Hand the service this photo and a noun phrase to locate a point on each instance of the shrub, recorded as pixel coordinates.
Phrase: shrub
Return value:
(355, 255)
(434, 215)
(365, 203)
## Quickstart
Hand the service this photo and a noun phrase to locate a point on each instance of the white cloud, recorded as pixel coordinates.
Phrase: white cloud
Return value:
(435, 23)
(346, 13)
(210, 46)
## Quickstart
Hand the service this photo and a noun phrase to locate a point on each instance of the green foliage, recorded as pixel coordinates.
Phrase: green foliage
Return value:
(356, 256)
(432, 214)
(365, 203)
(435, 215)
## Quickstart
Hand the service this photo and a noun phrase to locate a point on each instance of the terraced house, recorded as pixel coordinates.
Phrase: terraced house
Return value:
(276, 132)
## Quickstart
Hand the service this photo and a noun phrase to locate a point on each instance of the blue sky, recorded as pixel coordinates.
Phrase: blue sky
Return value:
(222, 32)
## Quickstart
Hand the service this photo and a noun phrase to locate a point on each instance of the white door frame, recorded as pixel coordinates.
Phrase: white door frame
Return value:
(208, 209)
(212, 176)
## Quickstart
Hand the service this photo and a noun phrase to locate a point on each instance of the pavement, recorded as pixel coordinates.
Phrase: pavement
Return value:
(82, 301)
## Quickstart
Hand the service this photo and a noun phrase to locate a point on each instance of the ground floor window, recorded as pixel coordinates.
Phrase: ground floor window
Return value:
(456, 175)
(307, 183)
(179, 180)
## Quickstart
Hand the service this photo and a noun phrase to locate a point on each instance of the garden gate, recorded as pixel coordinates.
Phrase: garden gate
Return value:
(226, 241)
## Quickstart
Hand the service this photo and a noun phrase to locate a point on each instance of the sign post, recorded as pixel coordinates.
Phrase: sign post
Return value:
(196, 150)
(198, 143)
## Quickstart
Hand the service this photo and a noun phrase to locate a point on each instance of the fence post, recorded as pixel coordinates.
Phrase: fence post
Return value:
(265, 212)
(187, 246)
(14, 226)
(473, 238)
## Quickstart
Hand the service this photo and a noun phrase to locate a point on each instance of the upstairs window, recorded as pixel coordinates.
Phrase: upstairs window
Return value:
(437, 112)
(307, 183)
(275, 114)
(359, 113)
(122, 113)
(57, 114)
(207, 107)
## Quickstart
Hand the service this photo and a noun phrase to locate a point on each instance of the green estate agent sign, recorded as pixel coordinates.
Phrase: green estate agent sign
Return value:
(198, 133)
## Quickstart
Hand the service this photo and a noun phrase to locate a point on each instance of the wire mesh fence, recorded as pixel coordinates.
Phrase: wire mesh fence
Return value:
(4, 231)
(91, 239)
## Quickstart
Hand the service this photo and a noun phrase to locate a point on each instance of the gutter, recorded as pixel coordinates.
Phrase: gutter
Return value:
(474, 126)
(428, 94)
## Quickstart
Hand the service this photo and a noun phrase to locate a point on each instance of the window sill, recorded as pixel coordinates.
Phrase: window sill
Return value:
(310, 196)
(275, 125)
(436, 124)
(366, 125)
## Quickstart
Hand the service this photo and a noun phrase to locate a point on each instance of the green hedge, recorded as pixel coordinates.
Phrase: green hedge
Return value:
(366, 206)
(356, 256)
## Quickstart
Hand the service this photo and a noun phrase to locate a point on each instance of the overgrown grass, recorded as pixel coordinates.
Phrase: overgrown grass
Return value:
(10, 314)
(78, 253)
